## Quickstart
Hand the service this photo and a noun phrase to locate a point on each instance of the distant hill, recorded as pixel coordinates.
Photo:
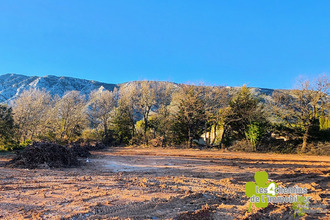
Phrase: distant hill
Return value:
(11, 85)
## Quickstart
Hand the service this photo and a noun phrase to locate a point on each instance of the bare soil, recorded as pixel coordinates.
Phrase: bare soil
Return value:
(152, 183)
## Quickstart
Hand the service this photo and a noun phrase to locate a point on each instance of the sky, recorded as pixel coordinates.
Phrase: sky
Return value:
(262, 43)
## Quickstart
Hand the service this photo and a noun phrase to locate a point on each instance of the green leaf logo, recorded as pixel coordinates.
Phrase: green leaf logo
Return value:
(259, 190)
(300, 206)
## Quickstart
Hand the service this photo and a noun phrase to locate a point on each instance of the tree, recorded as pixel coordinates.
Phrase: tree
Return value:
(216, 98)
(160, 122)
(101, 106)
(125, 113)
(243, 110)
(301, 107)
(69, 117)
(190, 116)
(146, 94)
(31, 111)
(6, 126)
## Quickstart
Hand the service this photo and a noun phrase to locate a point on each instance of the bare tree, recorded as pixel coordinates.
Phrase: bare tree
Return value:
(303, 105)
(164, 98)
(101, 106)
(31, 110)
(146, 94)
(69, 115)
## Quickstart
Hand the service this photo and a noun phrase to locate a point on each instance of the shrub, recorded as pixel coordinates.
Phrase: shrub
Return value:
(91, 135)
(156, 142)
(320, 148)
(242, 145)
(255, 133)
(279, 146)
(136, 140)
(25, 143)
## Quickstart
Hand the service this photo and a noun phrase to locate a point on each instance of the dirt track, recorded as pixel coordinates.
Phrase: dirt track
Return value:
(154, 183)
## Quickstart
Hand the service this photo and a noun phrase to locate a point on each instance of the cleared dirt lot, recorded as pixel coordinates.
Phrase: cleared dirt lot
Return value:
(140, 183)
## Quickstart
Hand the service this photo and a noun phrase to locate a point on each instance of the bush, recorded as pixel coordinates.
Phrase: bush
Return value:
(156, 142)
(242, 145)
(320, 148)
(279, 146)
(255, 132)
(91, 135)
(136, 140)
(25, 143)
(9, 146)
(49, 136)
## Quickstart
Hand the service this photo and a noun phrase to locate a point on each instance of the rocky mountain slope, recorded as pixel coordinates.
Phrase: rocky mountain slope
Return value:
(11, 85)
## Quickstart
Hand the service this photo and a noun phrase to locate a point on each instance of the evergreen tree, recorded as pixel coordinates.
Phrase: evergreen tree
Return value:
(190, 117)
(6, 127)
(245, 110)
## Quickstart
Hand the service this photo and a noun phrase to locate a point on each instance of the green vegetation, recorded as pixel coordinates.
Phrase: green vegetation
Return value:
(6, 129)
(255, 132)
(189, 120)
(163, 114)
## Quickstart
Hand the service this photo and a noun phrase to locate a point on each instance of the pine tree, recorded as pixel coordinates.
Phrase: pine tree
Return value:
(244, 110)
(190, 117)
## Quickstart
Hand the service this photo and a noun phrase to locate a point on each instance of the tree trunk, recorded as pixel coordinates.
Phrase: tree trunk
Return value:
(164, 140)
(222, 137)
(215, 134)
(189, 139)
(133, 129)
(305, 139)
(105, 127)
(190, 142)
(145, 131)
(206, 139)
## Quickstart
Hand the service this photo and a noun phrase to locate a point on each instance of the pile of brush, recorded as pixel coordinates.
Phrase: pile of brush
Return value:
(48, 155)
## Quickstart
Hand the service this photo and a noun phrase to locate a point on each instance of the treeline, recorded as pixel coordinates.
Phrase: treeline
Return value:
(166, 114)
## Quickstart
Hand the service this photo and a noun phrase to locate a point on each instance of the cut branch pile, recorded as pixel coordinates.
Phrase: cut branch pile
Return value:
(44, 155)
(79, 150)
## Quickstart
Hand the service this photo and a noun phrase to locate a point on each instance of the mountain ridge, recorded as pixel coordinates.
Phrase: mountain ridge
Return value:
(12, 84)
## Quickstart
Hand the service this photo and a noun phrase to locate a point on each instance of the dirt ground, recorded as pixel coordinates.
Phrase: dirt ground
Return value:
(143, 183)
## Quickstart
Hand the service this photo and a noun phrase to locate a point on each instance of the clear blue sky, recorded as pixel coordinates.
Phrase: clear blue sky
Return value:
(261, 43)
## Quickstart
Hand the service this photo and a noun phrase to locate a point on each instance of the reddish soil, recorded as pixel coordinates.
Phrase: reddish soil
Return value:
(152, 183)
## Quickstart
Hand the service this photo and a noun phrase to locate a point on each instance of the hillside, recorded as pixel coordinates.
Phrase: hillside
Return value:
(11, 85)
